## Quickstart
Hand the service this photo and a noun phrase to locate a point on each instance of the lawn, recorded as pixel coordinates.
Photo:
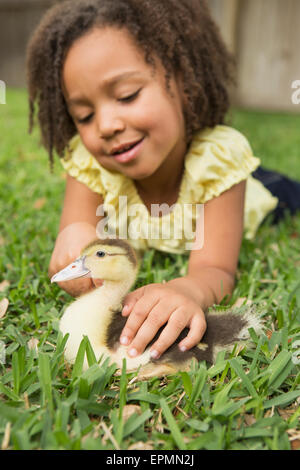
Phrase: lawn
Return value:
(247, 400)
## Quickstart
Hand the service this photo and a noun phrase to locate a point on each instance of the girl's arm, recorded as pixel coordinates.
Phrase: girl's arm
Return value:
(213, 267)
(80, 204)
(77, 228)
(182, 302)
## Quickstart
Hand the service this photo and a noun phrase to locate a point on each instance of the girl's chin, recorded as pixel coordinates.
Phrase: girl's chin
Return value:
(132, 170)
(139, 175)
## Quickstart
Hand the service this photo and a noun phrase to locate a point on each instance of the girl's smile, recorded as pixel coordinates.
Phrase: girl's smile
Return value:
(123, 112)
(127, 152)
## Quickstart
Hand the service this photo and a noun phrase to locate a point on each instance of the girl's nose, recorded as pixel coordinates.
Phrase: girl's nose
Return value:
(109, 123)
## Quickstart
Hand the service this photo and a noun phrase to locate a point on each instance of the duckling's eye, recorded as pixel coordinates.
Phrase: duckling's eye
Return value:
(100, 254)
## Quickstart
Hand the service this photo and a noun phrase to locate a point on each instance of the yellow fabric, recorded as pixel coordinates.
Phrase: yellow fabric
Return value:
(218, 158)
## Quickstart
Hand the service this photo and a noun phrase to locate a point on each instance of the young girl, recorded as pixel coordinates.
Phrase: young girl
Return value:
(132, 95)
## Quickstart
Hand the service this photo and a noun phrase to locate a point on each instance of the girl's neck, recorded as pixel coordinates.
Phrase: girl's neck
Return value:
(163, 185)
(153, 193)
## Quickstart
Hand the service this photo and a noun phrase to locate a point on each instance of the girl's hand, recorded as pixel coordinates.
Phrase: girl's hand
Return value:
(69, 243)
(150, 307)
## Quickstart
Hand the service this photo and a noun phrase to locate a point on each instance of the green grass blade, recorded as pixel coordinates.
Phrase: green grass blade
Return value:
(176, 434)
(123, 388)
(84, 388)
(187, 383)
(16, 372)
(282, 399)
(122, 402)
(35, 314)
(45, 380)
(221, 400)
(255, 357)
(144, 396)
(279, 369)
(90, 355)
(21, 440)
(245, 380)
(135, 421)
(198, 386)
(9, 393)
(78, 364)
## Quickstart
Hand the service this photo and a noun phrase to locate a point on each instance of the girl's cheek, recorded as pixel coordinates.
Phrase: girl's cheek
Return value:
(146, 113)
(147, 122)
(90, 140)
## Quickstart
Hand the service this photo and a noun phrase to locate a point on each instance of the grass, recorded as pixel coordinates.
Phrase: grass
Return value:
(248, 400)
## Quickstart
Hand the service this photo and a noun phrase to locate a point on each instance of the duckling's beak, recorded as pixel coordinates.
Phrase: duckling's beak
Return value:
(72, 271)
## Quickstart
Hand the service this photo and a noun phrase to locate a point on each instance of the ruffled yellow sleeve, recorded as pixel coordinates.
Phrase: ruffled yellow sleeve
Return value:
(259, 202)
(80, 164)
(219, 158)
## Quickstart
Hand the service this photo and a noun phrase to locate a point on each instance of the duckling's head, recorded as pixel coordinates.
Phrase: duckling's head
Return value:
(108, 259)
(111, 260)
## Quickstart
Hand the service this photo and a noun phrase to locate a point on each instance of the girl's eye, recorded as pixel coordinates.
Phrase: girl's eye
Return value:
(128, 99)
(85, 119)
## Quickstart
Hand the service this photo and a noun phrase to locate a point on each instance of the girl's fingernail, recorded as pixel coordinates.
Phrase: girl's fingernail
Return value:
(182, 348)
(125, 309)
(124, 340)
(132, 352)
(154, 354)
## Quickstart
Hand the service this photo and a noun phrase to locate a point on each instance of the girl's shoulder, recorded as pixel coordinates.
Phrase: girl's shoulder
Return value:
(225, 139)
(218, 158)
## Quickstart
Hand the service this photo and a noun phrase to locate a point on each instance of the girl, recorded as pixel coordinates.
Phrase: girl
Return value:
(132, 95)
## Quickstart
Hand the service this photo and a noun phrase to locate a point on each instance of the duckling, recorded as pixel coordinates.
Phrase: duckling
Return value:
(97, 315)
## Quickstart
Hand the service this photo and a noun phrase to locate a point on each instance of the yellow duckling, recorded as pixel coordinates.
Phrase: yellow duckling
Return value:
(97, 315)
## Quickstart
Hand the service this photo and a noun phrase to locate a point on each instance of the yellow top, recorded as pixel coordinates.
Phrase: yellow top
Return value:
(218, 158)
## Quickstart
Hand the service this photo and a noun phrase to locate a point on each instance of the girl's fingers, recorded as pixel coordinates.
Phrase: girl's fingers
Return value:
(97, 282)
(156, 319)
(131, 299)
(77, 287)
(139, 313)
(197, 330)
(177, 322)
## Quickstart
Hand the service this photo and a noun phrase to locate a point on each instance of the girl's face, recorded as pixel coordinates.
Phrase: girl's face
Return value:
(117, 102)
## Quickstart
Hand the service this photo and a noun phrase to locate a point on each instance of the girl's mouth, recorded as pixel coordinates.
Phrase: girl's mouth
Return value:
(130, 154)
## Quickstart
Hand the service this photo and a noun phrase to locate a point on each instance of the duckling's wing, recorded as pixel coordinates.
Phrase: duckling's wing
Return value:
(224, 330)
(115, 329)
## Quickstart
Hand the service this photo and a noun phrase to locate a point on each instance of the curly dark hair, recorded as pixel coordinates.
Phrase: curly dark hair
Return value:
(181, 33)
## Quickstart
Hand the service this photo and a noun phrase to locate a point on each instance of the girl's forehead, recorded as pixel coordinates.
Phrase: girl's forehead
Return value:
(108, 54)
(109, 45)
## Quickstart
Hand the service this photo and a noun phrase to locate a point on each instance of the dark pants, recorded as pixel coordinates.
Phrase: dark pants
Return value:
(284, 188)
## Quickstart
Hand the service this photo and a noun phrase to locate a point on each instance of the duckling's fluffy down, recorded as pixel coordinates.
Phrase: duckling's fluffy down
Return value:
(97, 315)
(224, 329)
